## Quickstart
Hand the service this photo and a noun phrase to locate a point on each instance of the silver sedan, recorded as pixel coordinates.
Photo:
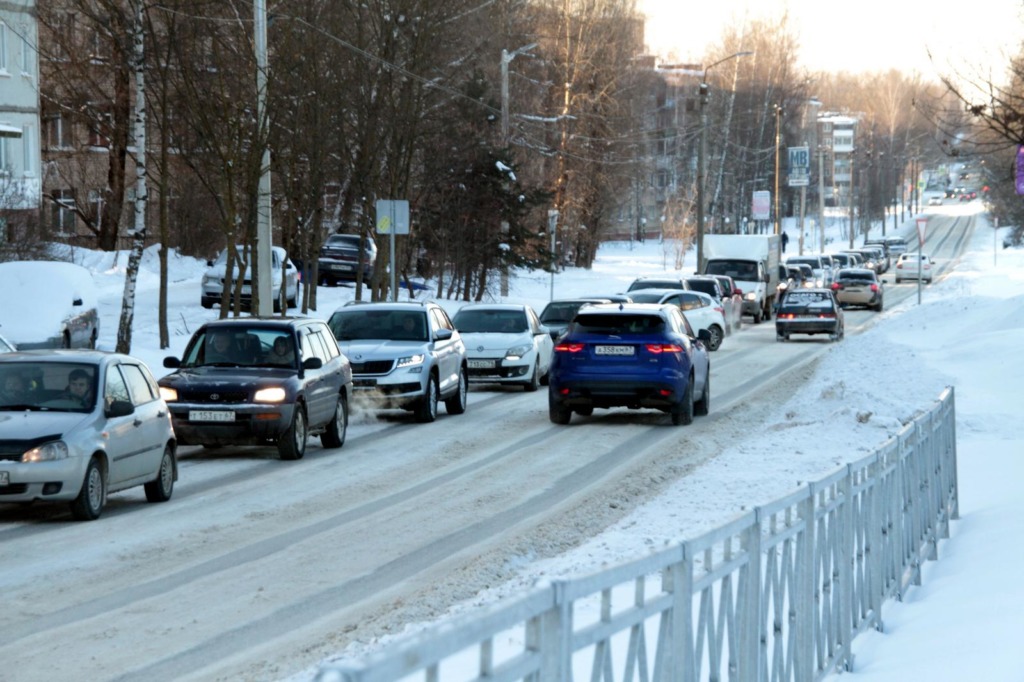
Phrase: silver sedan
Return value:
(76, 426)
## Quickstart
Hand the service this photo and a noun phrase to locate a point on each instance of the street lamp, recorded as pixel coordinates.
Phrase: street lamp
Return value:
(264, 260)
(701, 152)
(778, 135)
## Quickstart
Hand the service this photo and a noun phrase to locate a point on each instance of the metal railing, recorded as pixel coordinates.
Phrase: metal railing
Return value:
(777, 594)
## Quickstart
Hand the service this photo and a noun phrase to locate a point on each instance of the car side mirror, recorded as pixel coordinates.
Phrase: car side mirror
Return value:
(119, 408)
(172, 363)
(705, 336)
(312, 363)
(443, 334)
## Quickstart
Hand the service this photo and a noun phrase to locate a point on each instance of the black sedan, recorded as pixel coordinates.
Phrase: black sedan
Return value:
(809, 311)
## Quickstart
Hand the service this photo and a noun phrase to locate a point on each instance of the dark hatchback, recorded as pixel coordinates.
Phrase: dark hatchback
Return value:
(809, 311)
(255, 381)
(630, 355)
(341, 259)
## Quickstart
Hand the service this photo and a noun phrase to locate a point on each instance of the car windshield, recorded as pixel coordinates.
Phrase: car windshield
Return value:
(617, 324)
(743, 272)
(560, 312)
(490, 321)
(238, 346)
(386, 325)
(807, 300)
(47, 386)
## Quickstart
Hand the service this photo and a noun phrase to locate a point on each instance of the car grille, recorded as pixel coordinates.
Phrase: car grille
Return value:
(373, 367)
(214, 397)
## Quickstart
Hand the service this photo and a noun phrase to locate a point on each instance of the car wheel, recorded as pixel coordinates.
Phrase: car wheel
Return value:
(89, 503)
(757, 316)
(457, 403)
(682, 412)
(334, 435)
(277, 304)
(780, 338)
(878, 307)
(93, 339)
(534, 383)
(161, 487)
(558, 413)
(65, 340)
(426, 410)
(207, 303)
(716, 337)
(703, 406)
(293, 302)
(292, 444)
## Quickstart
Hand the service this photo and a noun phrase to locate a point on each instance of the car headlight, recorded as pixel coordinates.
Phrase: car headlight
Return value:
(275, 394)
(516, 352)
(47, 452)
(750, 296)
(168, 394)
(410, 360)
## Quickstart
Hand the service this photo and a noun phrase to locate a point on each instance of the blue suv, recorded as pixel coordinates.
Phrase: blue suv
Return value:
(630, 355)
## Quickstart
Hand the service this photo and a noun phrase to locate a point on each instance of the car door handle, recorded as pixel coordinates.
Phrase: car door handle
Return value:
(137, 422)
(161, 413)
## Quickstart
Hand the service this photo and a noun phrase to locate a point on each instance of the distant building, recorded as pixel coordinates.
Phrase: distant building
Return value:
(20, 165)
(836, 133)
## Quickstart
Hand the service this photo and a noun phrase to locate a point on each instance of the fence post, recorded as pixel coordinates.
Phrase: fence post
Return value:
(846, 543)
(753, 652)
(805, 609)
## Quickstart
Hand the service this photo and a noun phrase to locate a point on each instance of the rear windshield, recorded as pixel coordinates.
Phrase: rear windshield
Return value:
(708, 287)
(655, 284)
(807, 299)
(618, 324)
(560, 312)
(865, 277)
(490, 321)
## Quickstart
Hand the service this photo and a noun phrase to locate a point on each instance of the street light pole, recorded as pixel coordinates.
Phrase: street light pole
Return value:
(265, 305)
(778, 136)
(702, 152)
(506, 58)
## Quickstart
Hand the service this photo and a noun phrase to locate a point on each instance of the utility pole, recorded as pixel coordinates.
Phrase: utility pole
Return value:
(265, 306)
(778, 136)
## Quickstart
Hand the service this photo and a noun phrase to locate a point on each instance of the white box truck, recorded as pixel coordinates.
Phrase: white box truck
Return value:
(752, 260)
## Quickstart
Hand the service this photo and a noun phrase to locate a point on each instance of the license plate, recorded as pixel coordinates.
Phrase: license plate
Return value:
(613, 350)
(480, 364)
(211, 416)
(5, 478)
(364, 383)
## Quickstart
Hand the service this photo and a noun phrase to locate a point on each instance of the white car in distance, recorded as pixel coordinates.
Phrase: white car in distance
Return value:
(505, 344)
(700, 310)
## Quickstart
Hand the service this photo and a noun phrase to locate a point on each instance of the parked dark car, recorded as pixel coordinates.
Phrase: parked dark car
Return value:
(809, 311)
(631, 355)
(341, 258)
(258, 381)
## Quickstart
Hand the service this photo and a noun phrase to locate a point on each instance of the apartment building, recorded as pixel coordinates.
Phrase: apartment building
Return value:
(20, 165)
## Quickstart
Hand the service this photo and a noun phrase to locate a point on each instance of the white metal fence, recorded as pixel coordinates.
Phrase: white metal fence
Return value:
(775, 595)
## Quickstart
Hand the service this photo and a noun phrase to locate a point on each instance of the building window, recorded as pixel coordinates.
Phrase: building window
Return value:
(99, 131)
(27, 62)
(64, 211)
(99, 43)
(57, 132)
(5, 169)
(27, 162)
(3, 47)
(64, 35)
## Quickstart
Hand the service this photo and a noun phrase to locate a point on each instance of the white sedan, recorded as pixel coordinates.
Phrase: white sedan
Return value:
(914, 266)
(505, 344)
(700, 310)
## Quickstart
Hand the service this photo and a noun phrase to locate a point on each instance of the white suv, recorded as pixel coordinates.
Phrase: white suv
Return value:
(404, 355)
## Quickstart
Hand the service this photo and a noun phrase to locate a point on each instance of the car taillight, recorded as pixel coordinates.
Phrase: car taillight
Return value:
(786, 316)
(836, 286)
(569, 347)
(826, 316)
(664, 348)
(720, 309)
(874, 288)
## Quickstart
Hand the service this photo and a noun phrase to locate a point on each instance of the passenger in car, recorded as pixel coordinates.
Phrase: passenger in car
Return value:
(282, 352)
(79, 387)
(14, 390)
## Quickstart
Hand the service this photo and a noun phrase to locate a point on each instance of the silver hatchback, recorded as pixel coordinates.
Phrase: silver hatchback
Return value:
(76, 426)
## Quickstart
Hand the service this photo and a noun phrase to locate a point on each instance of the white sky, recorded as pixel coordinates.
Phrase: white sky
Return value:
(869, 35)
(963, 623)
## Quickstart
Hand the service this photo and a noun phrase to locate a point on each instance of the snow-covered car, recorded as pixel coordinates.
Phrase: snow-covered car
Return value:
(405, 355)
(256, 381)
(48, 304)
(916, 266)
(703, 312)
(77, 425)
(282, 270)
(505, 344)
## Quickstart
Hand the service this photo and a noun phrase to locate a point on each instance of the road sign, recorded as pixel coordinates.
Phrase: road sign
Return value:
(761, 207)
(392, 215)
(799, 166)
(922, 223)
